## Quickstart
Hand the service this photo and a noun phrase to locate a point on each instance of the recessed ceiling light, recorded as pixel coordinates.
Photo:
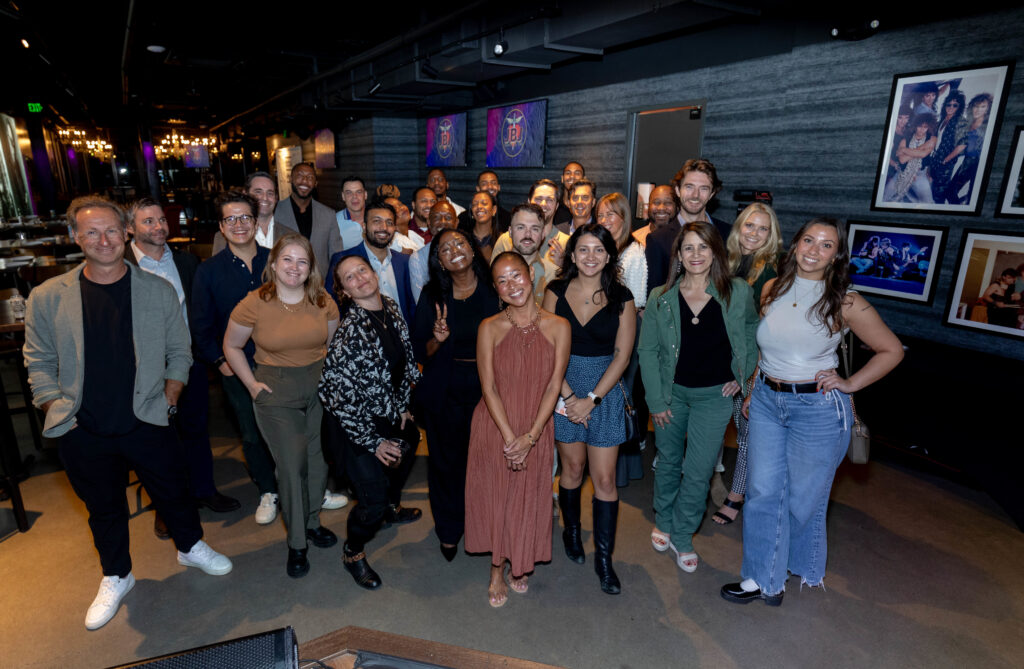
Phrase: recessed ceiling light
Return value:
(156, 48)
(24, 43)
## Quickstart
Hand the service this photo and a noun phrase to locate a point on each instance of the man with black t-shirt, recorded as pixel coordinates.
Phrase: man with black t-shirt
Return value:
(108, 355)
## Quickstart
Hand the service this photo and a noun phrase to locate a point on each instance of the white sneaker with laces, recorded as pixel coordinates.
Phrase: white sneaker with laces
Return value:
(266, 512)
(108, 600)
(333, 500)
(207, 559)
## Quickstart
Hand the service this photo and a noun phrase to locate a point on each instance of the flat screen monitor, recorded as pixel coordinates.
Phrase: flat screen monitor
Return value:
(516, 134)
(446, 140)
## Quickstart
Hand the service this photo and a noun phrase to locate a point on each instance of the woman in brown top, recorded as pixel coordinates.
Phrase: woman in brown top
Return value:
(290, 318)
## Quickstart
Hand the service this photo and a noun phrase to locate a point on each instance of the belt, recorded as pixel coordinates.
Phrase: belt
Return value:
(797, 388)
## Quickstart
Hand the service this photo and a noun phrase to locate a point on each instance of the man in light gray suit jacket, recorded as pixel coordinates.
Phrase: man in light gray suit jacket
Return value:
(315, 221)
(108, 355)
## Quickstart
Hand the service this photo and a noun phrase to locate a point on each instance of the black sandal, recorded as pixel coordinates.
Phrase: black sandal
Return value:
(722, 519)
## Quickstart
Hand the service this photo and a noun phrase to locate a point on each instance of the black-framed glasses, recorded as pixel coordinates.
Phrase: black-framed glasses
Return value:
(234, 221)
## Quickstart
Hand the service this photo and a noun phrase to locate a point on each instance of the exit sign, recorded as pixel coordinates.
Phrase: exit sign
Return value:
(35, 107)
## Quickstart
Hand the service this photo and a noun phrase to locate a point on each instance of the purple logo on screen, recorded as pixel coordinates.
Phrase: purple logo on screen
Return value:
(513, 132)
(445, 138)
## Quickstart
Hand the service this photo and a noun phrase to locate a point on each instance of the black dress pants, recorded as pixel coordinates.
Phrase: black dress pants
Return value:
(97, 468)
(376, 485)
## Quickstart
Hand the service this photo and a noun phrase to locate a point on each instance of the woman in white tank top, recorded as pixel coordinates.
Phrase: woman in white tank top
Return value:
(799, 410)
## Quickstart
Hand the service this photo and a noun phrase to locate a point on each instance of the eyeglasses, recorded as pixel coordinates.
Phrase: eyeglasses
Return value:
(244, 220)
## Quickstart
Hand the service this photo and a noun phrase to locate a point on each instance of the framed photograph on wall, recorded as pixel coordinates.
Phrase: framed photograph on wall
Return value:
(940, 134)
(1011, 196)
(895, 260)
(988, 292)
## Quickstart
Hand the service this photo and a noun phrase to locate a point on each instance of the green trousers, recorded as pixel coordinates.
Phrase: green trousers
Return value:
(687, 452)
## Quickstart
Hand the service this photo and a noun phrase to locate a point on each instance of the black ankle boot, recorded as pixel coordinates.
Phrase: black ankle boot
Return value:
(606, 515)
(569, 503)
(362, 573)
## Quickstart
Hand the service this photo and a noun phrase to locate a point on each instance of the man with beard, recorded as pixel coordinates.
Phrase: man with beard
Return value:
(544, 194)
(572, 173)
(262, 188)
(314, 221)
(488, 181)
(422, 202)
(527, 234)
(442, 215)
(583, 197)
(391, 267)
(438, 182)
(662, 210)
(695, 183)
(151, 253)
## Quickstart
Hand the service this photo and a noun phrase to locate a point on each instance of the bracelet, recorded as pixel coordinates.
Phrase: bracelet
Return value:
(219, 361)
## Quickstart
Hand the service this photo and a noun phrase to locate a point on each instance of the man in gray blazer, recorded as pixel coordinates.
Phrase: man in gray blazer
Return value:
(262, 188)
(108, 355)
(315, 221)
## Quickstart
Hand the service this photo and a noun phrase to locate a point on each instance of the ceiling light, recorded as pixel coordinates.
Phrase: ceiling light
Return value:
(501, 46)
(156, 48)
(24, 43)
(374, 86)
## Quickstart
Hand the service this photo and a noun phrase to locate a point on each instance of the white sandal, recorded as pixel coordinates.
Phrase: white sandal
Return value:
(659, 540)
(683, 558)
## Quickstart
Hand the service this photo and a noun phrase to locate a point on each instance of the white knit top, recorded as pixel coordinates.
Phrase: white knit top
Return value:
(633, 272)
(794, 344)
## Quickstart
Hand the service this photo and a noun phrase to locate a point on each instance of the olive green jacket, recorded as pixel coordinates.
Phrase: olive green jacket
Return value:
(660, 339)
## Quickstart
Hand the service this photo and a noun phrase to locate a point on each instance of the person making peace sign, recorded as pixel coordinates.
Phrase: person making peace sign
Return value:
(458, 296)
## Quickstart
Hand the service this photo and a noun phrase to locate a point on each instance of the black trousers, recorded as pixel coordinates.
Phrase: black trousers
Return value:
(97, 468)
(376, 485)
(448, 438)
(193, 428)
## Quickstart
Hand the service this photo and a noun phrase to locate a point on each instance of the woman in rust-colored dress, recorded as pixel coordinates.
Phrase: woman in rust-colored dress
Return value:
(522, 353)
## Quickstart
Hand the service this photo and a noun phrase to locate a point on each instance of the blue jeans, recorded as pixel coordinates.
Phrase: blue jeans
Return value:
(796, 443)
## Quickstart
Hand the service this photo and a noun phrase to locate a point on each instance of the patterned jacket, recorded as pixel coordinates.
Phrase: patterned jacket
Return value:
(356, 382)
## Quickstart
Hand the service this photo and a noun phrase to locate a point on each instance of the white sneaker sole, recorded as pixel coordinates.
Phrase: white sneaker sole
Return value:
(96, 624)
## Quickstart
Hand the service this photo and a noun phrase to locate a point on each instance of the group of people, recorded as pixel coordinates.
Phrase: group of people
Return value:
(513, 338)
(936, 151)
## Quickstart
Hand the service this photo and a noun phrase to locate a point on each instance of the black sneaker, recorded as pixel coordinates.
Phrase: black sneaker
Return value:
(396, 514)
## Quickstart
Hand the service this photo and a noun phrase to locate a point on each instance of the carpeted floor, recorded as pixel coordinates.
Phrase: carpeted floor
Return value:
(922, 573)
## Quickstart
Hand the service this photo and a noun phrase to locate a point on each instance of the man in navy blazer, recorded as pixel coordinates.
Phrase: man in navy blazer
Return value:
(391, 267)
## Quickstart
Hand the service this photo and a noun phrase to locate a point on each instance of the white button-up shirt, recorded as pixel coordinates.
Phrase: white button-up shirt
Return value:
(165, 269)
(385, 274)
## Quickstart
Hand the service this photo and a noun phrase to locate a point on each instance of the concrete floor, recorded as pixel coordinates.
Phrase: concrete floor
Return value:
(922, 573)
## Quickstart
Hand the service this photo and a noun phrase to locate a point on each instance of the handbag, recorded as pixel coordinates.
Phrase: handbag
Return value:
(859, 451)
(631, 427)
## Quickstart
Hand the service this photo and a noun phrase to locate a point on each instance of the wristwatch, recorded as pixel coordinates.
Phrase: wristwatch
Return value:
(595, 398)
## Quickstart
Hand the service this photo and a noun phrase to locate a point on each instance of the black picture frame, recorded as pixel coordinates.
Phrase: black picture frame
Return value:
(908, 272)
(984, 255)
(1011, 193)
(930, 183)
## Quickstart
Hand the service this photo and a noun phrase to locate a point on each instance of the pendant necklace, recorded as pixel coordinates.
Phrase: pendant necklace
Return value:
(297, 307)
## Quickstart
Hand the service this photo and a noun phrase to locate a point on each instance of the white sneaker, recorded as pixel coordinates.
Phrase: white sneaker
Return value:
(205, 558)
(266, 512)
(333, 500)
(108, 599)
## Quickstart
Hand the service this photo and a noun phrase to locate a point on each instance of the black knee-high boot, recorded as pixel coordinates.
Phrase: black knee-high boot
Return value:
(606, 516)
(569, 503)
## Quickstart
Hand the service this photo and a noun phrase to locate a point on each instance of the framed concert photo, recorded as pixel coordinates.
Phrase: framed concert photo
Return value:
(1011, 196)
(988, 292)
(899, 261)
(940, 135)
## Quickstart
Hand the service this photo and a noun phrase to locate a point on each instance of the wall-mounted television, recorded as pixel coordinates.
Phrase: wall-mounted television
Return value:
(516, 134)
(446, 140)
(197, 156)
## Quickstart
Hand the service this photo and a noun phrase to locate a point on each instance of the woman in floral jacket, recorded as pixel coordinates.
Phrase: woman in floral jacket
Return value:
(366, 384)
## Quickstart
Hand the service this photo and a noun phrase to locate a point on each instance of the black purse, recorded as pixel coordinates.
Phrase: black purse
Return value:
(632, 429)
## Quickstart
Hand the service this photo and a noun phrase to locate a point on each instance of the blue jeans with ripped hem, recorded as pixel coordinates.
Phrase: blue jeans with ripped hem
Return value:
(796, 442)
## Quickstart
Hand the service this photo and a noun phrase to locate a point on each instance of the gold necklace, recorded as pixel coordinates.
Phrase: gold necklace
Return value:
(297, 309)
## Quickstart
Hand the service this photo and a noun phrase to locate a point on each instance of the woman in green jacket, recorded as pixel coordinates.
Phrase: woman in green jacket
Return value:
(697, 349)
